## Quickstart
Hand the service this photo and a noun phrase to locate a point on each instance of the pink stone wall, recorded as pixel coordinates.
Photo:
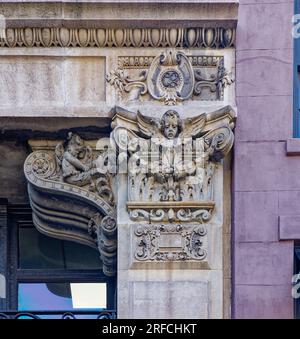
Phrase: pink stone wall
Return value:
(266, 182)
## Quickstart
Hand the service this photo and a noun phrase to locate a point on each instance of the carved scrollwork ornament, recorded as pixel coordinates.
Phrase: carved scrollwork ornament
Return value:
(170, 77)
(124, 83)
(150, 247)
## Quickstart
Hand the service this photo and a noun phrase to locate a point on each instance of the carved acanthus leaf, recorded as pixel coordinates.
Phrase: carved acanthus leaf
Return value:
(124, 83)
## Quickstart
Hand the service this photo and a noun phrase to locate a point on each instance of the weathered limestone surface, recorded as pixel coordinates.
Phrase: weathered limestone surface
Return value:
(92, 95)
(46, 82)
(120, 13)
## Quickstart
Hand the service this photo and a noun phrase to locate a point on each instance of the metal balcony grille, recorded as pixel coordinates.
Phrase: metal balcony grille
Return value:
(107, 314)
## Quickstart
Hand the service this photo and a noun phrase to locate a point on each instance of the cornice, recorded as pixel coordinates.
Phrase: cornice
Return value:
(183, 24)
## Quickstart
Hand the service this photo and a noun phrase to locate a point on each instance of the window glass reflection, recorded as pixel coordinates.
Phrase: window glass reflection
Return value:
(44, 296)
(88, 296)
(61, 296)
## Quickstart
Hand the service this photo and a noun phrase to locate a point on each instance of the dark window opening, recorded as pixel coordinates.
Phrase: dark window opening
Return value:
(37, 251)
(53, 275)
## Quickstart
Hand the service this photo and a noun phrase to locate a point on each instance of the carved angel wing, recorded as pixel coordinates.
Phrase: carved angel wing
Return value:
(192, 127)
(148, 126)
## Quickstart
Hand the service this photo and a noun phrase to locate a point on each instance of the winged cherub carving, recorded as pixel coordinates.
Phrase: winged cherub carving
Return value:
(171, 159)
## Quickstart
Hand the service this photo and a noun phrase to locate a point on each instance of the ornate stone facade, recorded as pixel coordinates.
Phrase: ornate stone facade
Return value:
(54, 60)
(70, 68)
(169, 163)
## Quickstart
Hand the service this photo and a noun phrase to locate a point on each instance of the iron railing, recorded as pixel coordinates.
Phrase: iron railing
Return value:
(107, 314)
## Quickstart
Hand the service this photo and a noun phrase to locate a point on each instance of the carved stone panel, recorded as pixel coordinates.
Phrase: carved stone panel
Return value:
(161, 243)
(170, 77)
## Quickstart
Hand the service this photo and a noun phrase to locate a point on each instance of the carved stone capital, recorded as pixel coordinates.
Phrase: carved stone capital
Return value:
(172, 163)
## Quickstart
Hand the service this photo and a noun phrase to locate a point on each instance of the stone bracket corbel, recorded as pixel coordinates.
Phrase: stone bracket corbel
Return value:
(79, 210)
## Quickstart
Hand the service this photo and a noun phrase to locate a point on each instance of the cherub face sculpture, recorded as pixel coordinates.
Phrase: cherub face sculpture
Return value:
(171, 124)
(75, 144)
